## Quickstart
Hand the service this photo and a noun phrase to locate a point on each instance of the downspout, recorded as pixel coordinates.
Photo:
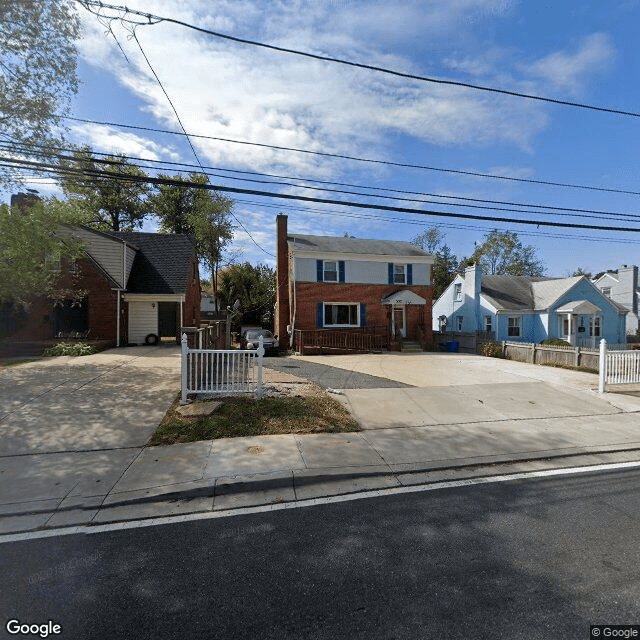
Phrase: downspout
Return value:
(293, 319)
(118, 318)
(119, 291)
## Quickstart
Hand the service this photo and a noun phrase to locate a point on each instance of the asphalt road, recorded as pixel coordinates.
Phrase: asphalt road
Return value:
(534, 559)
(331, 377)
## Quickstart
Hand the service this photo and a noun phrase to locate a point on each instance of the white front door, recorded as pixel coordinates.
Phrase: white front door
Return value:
(399, 321)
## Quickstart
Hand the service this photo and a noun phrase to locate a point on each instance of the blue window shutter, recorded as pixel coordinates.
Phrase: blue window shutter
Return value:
(319, 314)
(363, 314)
(341, 271)
(409, 274)
(391, 273)
(319, 269)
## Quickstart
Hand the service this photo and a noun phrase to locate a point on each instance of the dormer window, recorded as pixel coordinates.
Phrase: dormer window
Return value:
(606, 291)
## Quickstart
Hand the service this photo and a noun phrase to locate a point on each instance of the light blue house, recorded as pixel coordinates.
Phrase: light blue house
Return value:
(530, 309)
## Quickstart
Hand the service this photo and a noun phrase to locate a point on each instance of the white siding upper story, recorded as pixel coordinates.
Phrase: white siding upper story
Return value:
(365, 270)
(113, 255)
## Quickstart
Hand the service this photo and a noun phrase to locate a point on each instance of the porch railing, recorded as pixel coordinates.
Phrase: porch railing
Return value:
(215, 372)
(328, 340)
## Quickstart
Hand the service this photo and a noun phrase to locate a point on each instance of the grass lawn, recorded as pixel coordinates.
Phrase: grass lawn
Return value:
(248, 416)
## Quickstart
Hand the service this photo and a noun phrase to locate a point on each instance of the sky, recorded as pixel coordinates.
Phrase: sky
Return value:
(570, 51)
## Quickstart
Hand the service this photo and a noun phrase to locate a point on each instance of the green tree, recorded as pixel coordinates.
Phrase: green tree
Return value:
(253, 287)
(117, 202)
(502, 253)
(37, 74)
(445, 262)
(582, 272)
(183, 208)
(33, 251)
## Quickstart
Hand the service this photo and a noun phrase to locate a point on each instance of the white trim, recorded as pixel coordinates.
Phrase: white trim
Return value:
(359, 257)
(154, 297)
(340, 326)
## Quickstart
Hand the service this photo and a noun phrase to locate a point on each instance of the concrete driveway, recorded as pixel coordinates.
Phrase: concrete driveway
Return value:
(70, 427)
(448, 389)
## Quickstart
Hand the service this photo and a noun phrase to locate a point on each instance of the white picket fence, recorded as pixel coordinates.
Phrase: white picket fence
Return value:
(617, 367)
(215, 372)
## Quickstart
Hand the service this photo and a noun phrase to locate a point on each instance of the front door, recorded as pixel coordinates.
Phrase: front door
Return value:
(398, 321)
(167, 312)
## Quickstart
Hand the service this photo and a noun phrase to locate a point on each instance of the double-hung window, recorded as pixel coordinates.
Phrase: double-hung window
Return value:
(457, 291)
(488, 327)
(513, 326)
(459, 322)
(594, 329)
(330, 271)
(399, 273)
(341, 315)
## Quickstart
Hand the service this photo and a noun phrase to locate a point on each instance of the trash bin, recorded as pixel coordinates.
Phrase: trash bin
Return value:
(453, 346)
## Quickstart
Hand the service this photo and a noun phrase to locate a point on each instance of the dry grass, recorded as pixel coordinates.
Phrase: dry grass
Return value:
(313, 411)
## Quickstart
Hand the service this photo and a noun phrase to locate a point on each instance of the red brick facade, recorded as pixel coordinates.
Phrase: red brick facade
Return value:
(102, 307)
(308, 294)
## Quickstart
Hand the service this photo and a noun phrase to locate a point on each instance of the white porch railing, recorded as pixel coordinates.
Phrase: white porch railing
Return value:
(618, 367)
(211, 372)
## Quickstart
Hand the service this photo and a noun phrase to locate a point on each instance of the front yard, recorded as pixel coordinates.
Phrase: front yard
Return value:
(310, 410)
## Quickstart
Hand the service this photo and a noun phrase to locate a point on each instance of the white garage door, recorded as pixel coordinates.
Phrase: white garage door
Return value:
(143, 320)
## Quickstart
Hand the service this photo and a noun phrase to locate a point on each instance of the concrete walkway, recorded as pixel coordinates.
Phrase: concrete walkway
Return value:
(71, 455)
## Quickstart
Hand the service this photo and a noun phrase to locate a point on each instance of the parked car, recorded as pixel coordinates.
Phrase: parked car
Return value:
(250, 340)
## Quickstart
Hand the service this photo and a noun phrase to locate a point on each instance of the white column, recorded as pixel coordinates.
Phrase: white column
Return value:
(183, 369)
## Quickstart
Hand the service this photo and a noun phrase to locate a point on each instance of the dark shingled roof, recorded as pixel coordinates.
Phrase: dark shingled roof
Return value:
(162, 261)
(337, 244)
(508, 292)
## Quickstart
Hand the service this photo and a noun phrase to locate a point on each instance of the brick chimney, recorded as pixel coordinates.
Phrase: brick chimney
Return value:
(282, 315)
(23, 201)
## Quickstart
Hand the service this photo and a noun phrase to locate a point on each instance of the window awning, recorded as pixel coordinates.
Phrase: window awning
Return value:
(583, 307)
(403, 297)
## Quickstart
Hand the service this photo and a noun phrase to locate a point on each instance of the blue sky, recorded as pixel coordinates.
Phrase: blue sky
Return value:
(582, 52)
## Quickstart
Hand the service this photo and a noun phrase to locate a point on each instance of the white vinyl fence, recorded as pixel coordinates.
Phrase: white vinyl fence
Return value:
(211, 372)
(618, 367)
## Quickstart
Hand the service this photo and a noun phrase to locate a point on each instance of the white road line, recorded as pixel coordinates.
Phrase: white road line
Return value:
(377, 493)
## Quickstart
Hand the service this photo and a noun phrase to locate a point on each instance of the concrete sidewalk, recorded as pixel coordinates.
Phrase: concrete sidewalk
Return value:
(411, 435)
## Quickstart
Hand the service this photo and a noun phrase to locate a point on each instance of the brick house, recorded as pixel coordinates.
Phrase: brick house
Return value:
(139, 287)
(351, 284)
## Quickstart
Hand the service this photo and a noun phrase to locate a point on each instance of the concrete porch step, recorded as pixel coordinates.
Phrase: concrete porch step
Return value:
(411, 346)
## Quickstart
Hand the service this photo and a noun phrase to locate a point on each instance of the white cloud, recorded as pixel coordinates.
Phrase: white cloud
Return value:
(111, 140)
(236, 91)
(570, 70)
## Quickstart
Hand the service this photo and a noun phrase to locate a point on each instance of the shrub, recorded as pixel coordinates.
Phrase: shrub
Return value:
(67, 349)
(555, 342)
(491, 349)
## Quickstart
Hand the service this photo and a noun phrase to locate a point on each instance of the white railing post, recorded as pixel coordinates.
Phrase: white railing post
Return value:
(602, 368)
(260, 356)
(183, 369)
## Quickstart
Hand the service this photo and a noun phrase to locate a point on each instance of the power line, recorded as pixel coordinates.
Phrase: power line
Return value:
(391, 163)
(154, 19)
(531, 208)
(48, 168)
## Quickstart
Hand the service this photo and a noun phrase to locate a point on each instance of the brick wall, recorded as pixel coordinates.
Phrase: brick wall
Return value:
(282, 310)
(308, 294)
(102, 308)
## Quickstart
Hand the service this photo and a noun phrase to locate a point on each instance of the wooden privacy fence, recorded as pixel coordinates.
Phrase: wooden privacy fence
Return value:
(618, 367)
(551, 354)
(331, 341)
(214, 372)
